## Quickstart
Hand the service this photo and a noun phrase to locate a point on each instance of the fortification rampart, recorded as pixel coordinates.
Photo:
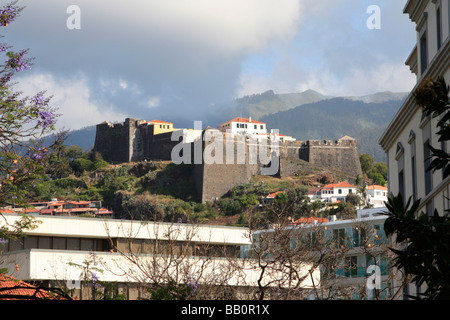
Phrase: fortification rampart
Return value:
(216, 171)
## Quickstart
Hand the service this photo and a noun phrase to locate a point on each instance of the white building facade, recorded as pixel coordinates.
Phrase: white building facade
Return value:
(376, 196)
(406, 138)
(244, 126)
(129, 253)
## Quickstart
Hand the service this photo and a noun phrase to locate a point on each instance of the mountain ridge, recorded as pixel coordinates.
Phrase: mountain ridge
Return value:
(303, 115)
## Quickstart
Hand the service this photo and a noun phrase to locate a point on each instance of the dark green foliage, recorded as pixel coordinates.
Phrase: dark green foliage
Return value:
(426, 255)
(377, 172)
(229, 207)
(172, 291)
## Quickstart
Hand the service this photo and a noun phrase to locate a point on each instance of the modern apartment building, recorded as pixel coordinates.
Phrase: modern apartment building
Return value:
(74, 252)
(406, 138)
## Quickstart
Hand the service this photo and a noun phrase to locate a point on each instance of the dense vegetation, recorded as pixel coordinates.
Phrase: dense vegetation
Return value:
(161, 190)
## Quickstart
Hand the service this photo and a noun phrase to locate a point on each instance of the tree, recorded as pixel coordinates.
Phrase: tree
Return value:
(367, 162)
(377, 172)
(23, 120)
(423, 242)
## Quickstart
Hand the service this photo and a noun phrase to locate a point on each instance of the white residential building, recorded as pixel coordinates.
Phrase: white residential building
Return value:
(406, 138)
(244, 126)
(336, 192)
(376, 196)
(253, 129)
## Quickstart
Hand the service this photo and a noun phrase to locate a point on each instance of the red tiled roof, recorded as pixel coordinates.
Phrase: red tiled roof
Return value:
(20, 290)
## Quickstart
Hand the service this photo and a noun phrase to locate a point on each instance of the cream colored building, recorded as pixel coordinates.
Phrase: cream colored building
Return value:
(160, 126)
(131, 254)
(406, 137)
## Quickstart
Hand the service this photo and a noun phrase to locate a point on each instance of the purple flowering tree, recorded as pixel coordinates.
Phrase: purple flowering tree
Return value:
(23, 122)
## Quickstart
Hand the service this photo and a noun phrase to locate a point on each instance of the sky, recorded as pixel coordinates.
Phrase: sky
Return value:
(179, 59)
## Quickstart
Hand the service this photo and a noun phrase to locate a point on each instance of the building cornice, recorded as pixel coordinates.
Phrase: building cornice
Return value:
(415, 9)
(437, 68)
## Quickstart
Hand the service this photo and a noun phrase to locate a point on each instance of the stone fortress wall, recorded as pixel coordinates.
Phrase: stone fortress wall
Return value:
(134, 140)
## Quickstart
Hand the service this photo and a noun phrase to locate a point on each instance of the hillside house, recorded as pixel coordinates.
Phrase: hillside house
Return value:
(376, 195)
(244, 126)
(333, 193)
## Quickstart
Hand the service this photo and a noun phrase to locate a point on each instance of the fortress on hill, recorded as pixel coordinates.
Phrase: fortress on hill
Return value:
(226, 156)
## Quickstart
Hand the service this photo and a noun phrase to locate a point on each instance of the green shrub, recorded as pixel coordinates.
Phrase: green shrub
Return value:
(229, 207)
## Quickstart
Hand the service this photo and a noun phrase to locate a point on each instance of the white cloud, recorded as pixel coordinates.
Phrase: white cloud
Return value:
(386, 76)
(225, 25)
(72, 99)
(153, 102)
(383, 77)
(123, 84)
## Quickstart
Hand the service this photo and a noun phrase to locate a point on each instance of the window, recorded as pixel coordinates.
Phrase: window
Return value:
(439, 25)
(262, 127)
(401, 184)
(428, 173)
(446, 198)
(351, 264)
(400, 157)
(339, 236)
(339, 191)
(414, 177)
(256, 126)
(423, 45)
(59, 243)
(429, 208)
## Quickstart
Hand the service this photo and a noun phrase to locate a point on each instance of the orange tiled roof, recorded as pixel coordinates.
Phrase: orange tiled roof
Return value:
(310, 220)
(9, 286)
(339, 185)
(273, 195)
(377, 187)
(7, 211)
(159, 121)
